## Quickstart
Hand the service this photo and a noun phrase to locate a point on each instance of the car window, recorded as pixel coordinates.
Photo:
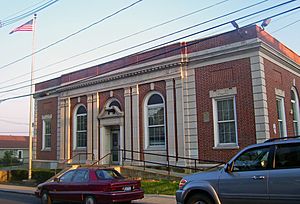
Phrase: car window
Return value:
(67, 177)
(287, 156)
(81, 176)
(108, 174)
(251, 160)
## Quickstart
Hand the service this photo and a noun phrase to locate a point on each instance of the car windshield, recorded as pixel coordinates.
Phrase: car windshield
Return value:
(108, 174)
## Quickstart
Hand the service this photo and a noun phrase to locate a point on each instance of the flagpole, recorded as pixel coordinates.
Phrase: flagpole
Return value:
(31, 101)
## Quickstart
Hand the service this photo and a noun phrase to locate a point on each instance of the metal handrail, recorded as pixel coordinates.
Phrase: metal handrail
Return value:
(168, 165)
(108, 154)
(78, 154)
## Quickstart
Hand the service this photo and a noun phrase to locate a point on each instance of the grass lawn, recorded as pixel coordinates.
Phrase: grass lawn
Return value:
(164, 187)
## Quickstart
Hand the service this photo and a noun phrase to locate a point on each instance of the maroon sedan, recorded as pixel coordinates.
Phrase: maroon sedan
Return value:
(90, 186)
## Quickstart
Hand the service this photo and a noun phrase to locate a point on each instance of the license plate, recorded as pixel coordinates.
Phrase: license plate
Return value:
(127, 188)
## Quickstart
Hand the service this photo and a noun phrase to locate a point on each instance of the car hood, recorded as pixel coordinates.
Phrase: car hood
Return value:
(204, 176)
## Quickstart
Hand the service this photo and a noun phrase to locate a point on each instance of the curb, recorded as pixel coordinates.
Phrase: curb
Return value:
(18, 192)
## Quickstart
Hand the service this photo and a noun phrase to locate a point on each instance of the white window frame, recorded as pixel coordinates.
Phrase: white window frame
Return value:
(282, 117)
(146, 127)
(75, 147)
(295, 110)
(46, 119)
(217, 143)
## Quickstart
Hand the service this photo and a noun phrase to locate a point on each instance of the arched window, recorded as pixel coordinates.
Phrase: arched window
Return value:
(80, 127)
(115, 103)
(155, 121)
(295, 110)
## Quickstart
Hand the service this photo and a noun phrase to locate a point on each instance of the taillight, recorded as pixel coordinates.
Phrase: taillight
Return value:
(182, 183)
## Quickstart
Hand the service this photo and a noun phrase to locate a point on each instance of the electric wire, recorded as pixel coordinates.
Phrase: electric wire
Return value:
(190, 44)
(26, 14)
(72, 34)
(147, 42)
(118, 40)
(288, 25)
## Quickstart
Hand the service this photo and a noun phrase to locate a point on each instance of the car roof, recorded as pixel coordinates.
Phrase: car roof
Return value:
(276, 142)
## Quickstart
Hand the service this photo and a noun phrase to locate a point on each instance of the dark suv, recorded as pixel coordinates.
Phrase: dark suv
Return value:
(261, 173)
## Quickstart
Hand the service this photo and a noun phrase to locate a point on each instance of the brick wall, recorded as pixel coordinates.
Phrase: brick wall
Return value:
(277, 77)
(219, 76)
(47, 107)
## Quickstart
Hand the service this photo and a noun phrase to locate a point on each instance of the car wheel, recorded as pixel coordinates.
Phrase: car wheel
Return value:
(45, 199)
(89, 200)
(199, 199)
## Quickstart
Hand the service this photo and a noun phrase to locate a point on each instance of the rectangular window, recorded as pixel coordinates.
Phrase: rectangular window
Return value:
(156, 126)
(281, 116)
(81, 130)
(225, 122)
(46, 134)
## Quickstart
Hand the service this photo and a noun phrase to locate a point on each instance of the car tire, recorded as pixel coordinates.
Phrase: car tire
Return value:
(89, 200)
(45, 198)
(199, 199)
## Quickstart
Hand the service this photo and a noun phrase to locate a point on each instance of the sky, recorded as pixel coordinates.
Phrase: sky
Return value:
(100, 40)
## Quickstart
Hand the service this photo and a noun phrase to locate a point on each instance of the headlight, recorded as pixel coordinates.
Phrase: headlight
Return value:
(182, 183)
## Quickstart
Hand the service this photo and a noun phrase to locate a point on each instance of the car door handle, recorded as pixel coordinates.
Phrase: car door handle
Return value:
(258, 177)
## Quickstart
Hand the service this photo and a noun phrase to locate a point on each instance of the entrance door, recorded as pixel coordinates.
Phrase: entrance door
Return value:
(115, 146)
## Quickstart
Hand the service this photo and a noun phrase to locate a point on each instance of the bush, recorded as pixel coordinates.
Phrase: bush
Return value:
(38, 175)
(41, 176)
(19, 175)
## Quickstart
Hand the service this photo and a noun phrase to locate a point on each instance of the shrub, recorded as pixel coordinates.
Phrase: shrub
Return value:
(41, 176)
(19, 175)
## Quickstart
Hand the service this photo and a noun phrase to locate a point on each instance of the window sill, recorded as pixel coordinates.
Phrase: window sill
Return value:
(226, 147)
(79, 149)
(155, 148)
(47, 149)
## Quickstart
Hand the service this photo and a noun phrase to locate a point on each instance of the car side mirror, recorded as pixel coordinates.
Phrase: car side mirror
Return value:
(229, 167)
(56, 179)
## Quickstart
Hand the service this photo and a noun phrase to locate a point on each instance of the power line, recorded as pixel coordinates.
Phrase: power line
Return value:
(72, 34)
(150, 41)
(12, 20)
(12, 122)
(190, 44)
(288, 25)
(118, 40)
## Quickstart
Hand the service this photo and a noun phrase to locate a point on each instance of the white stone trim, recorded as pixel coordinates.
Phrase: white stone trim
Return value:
(90, 123)
(180, 117)
(260, 98)
(136, 118)
(171, 117)
(190, 113)
(279, 92)
(127, 113)
(223, 92)
(95, 126)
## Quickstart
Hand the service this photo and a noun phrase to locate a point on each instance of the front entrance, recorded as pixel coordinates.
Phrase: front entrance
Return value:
(115, 146)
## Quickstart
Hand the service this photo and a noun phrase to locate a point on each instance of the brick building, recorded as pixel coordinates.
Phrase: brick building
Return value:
(202, 99)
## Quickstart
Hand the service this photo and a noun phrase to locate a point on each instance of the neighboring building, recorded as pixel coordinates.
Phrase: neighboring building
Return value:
(202, 99)
(19, 146)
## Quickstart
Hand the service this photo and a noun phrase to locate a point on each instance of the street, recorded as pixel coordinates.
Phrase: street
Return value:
(17, 198)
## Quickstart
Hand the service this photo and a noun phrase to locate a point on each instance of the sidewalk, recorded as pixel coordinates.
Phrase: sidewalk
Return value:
(149, 198)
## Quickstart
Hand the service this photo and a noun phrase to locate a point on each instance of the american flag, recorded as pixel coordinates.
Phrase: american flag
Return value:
(28, 26)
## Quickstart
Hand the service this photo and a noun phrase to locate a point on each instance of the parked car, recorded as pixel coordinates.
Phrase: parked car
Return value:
(90, 186)
(261, 173)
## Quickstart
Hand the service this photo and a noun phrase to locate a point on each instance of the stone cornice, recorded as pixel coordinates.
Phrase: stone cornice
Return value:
(115, 76)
